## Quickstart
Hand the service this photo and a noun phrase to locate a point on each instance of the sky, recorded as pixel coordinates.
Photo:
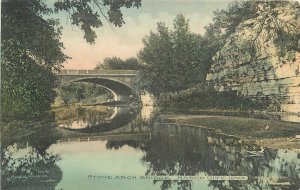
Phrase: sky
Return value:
(126, 41)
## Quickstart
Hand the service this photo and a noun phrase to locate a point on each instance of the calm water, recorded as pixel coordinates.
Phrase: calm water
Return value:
(94, 149)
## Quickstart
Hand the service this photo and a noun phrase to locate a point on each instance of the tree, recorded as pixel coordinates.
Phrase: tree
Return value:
(31, 49)
(116, 63)
(83, 13)
(133, 63)
(174, 60)
(113, 63)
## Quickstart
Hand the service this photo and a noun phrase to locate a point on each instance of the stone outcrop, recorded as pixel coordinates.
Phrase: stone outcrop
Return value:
(255, 62)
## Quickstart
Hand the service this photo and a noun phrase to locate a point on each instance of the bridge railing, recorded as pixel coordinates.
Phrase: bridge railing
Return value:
(82, 72)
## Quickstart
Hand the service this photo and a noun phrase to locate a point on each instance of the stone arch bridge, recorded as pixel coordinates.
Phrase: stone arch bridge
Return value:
(120, 82)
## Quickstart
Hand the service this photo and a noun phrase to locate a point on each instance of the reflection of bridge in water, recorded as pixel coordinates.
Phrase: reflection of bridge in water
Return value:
(110, 137)
(125, 126)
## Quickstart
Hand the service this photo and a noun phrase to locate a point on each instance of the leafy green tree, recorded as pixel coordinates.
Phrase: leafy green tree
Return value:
(133, 63)
(113, 63)
(84, 13)
(174, 60)
(116, 63)
(31, 48)
(157, 55)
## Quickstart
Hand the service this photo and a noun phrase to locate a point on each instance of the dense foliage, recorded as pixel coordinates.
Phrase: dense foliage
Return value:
(204, 97)
(82, 93)
(31, 48)
(174, 59)
(115, 63)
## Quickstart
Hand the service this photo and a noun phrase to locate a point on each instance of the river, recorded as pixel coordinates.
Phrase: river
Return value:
(114, 148)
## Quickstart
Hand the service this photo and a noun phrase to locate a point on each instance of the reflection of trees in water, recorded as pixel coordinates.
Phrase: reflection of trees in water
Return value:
(42, 138)
(30, 170)
(90, 115)
(177, 150)
(119, 144)
(181, 184)
(138, 125)
(272, 166)
(32, 167)
(93, 116)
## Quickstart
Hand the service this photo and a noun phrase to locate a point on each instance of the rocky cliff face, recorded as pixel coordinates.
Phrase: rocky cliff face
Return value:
(256, 60)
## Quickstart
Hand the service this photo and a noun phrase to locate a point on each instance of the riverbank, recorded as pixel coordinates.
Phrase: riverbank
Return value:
(258, 114)
(267, 133)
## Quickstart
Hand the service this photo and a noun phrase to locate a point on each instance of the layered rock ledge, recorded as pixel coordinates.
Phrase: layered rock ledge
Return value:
(255, 61)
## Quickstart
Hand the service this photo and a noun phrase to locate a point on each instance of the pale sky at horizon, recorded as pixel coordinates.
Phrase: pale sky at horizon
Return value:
(126, 41)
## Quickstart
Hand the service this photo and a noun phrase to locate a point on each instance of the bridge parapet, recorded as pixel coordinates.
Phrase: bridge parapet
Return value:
(96, 72)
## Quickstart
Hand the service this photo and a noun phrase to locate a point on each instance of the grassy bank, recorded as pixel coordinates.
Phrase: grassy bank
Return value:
(259, 114)
(268, 133)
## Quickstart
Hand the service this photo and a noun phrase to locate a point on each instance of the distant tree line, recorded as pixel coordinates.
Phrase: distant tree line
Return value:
(115, 63)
